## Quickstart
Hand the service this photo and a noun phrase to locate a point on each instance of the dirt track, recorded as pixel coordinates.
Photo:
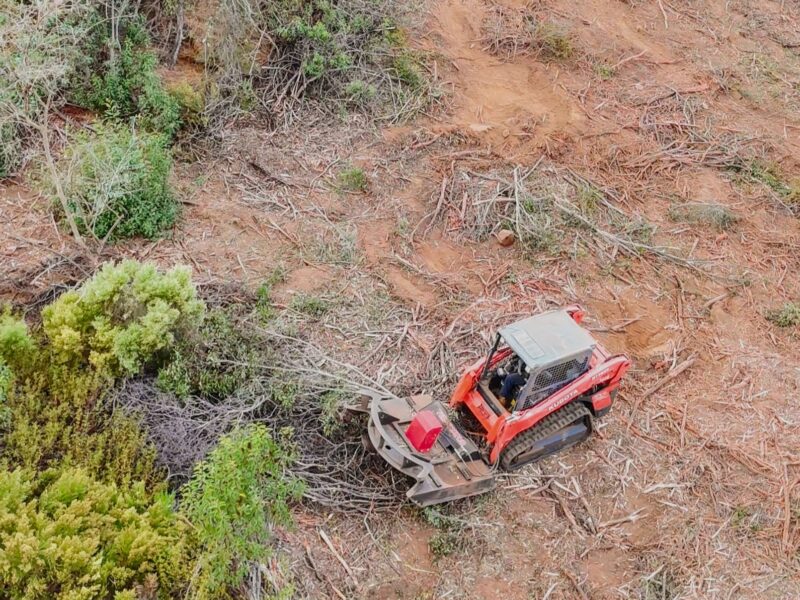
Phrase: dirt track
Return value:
(691, 491)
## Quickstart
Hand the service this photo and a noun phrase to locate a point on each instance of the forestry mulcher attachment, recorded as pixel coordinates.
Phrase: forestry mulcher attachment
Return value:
(538, 391)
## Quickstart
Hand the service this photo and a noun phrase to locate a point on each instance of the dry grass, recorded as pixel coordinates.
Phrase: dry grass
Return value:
(513, 32)
(717, 216)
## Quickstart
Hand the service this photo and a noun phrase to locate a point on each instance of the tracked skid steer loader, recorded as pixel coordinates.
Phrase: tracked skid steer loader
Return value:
(538, 391)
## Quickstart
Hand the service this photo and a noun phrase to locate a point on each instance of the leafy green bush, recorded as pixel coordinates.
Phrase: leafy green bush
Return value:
(191, 103)
(121, 79)
(55, 415)
(116, 182)
(234, 499)
(65, 535)
(15, 342)
(16, 347)
(120, 319)
(213, 362)
(113, 325)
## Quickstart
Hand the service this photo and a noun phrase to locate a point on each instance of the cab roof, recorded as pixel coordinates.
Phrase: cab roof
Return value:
(547, 338)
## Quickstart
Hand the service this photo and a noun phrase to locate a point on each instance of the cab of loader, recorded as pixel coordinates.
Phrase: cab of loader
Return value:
(549, 350)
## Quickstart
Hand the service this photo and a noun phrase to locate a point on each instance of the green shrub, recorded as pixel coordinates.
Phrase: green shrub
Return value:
(83, 513)
(16, 347)
(234, 499)
(444, 543)
(360, 93)
(113, 325)
(116, 182)
(331, 417)
(406, 69)
(65, 535)
(6, 379)
(55, 416)
(124, 82)
(449, 536)
(352, 179)
(214, 362)
(15, 342)
(284, 393)
(786, 316)
(120, 319)
(313, 306)
(191, 103)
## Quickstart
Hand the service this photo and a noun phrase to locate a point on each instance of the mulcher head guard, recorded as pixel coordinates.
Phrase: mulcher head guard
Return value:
(453, 468)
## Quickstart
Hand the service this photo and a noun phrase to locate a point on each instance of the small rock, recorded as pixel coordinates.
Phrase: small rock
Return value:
(505, 237)
(479, 127)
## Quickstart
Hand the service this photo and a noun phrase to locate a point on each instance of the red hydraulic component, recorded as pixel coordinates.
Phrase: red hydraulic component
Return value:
(423, 430)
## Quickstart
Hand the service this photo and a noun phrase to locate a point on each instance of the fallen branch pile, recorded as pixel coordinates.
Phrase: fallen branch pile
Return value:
(339, 473)
(672, 120)
(547, 208)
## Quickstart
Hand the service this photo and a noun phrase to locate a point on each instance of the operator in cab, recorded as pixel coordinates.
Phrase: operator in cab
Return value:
(513, 379)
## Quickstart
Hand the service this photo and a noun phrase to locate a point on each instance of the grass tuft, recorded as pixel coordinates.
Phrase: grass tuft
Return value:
(313, 306)
(554, 42)
(718, 216)
(772, 176)
(786, 316)
(352, 179)
(604, 70)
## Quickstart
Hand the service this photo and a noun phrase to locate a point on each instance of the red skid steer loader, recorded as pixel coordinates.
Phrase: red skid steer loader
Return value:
(538, 391)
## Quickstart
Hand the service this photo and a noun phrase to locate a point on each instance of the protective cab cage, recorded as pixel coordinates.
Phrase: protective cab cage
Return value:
(554, 349)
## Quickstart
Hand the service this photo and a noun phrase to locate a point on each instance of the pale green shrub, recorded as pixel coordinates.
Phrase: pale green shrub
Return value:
(15, 342)
(67, 536)
(121, 318)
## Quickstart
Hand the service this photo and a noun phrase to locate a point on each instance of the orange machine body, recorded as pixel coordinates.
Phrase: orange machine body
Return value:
(596, 388)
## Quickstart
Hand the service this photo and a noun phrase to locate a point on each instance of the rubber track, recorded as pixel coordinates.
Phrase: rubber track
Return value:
(549, 425)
